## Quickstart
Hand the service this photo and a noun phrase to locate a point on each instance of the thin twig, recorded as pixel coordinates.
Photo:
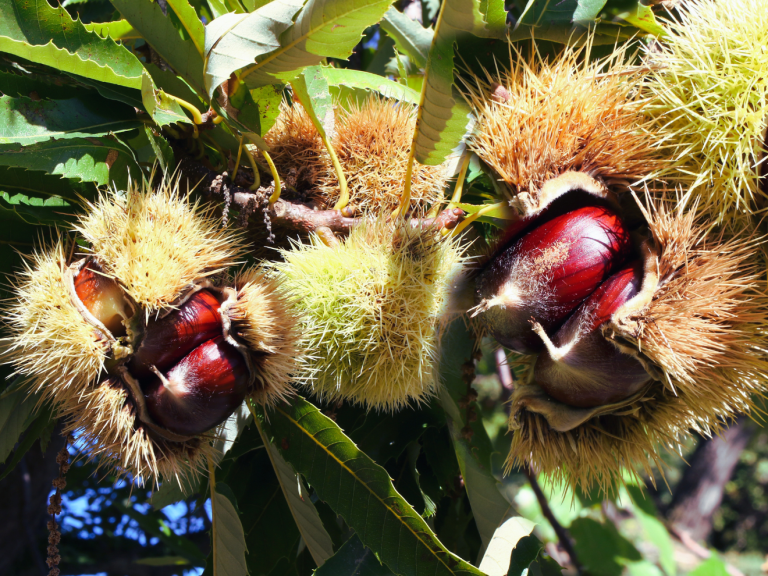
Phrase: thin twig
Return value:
(562, 534)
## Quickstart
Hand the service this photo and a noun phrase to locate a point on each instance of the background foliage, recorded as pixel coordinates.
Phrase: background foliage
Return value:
(95, 92)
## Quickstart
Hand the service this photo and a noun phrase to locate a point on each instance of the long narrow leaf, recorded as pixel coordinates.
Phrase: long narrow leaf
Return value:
(443, 115)
(410, 37)
(100, 160)
(35, 23)
(474, 455)
(64, 61)
(304, 512)
(234, 41)
(360, 491)
(26, 121)
(323, 28)
(158, 30)
(360, 84)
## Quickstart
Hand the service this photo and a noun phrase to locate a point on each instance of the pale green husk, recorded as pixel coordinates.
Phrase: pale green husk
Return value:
(372, 308)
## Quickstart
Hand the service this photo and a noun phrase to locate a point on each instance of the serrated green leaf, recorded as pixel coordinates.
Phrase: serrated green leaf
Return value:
(164, 110)
(252, 112)
(410, 37)
(498, 554)
(163, 151)
(304, 512)
(443, 115)
(34, 30)
(26, 121)
(129, 96)
(489, 507)
(37, 86)
(322, 28)
(191, 22)
(117, 30)
(359, 84)
(101, 160)
(62, 60)
(311, 89)
(17, 181)
(161, 34)
(360, 491)
(353, 559)
(234, 41)
(229, 538)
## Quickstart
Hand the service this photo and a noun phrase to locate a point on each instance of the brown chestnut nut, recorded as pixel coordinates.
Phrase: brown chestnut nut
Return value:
(102, 297)
(169, 339)
(199, 392)
(547, 272)
(579, 367)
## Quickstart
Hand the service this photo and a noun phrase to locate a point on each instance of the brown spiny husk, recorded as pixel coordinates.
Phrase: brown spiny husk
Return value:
(157, 244)
(372, 141)
(105, 419)
(559, 116)
(704, 329)
(263, 318)
(50, 343)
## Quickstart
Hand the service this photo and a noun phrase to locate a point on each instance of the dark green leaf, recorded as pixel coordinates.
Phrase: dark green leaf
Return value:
(163, 151)
(601, 548)
(229, 539)
(360, 491)
(34, 430)
(101, 160)
(15, 415)
(190, 21)
(353, 559)
(489, 507)
(26, 121)
(526, 551)
(38, 86)
(20, 182)
(161, 34)
(304, 512)
(410, 37)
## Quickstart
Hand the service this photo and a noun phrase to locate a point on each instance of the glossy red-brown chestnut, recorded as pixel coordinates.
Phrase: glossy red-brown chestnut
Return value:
(169, 339)
(545, 273)
(199, 392)
(102, 297)
(578, 366)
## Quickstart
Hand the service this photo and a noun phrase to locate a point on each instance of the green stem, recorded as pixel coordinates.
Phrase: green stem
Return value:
(196, 116)
(255, 167)
(483, 211)
(343, 191)
(239, 154)
(457, 191)
(275, 177)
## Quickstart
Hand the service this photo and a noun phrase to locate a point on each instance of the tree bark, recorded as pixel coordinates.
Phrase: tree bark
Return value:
(700, 491)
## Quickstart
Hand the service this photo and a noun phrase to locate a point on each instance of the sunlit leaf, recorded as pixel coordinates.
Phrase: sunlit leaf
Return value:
(360, 491)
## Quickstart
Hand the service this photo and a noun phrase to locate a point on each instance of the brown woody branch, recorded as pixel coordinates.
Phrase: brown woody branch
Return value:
(288, 214)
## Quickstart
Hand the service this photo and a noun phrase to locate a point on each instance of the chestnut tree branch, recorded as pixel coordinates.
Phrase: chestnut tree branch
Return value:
(292, 215)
